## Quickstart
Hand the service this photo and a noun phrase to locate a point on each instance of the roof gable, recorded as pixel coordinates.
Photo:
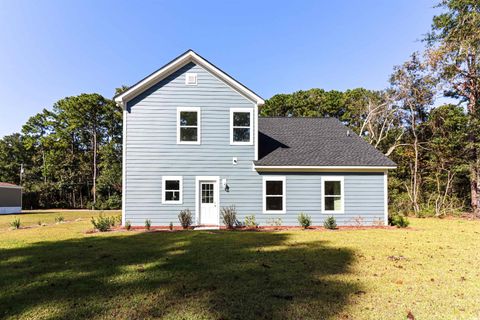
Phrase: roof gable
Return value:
(174, 65)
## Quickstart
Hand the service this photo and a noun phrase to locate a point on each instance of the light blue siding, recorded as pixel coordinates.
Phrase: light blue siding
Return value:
(152, 152)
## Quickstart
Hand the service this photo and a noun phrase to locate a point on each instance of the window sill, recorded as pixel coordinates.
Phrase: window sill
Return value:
(241, 143)
(274, 212)
(172, 202)
(333, 212)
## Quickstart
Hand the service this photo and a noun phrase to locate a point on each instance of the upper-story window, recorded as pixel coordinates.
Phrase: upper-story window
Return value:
(241, 128)
(188, 125)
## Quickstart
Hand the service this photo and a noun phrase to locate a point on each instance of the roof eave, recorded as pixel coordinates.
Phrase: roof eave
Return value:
(273, 168)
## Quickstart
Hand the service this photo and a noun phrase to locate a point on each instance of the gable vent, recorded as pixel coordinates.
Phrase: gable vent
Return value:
(191, 79)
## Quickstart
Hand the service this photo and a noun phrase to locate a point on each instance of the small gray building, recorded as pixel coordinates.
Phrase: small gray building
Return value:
(10, 198)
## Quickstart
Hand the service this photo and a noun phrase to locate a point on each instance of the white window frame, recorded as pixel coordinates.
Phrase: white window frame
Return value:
(284, 194)
(342, 191)
(198, 126)
(164, 180)
(241, 143)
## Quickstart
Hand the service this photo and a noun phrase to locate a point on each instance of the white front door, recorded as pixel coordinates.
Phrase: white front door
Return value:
(208, 203)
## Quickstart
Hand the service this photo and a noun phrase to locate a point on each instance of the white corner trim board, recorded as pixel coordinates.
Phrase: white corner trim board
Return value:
(124, 164)
(385, 196)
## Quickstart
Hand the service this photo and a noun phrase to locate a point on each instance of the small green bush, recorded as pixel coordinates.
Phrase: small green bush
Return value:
(185, 218)
(250, 222)
(330, 223)
(399, 221)
(128, 225)
(304, 220)
(102, 223)
(229, 217)
(148, 224)
(16, 223)
(59, 219)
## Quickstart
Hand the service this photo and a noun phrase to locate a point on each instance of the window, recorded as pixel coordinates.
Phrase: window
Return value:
(241, 126)
(333, 195)
(188, 125)
(172, 190)
(274, 198)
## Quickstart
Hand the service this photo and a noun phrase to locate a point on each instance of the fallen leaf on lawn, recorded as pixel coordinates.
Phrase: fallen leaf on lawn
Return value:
(410, 316)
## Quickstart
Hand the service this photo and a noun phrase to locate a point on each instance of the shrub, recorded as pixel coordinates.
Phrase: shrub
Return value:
(102, 223)
(305, 220)
(250, 222)
(59, 219)
(39, 222)
(170, 226)
(399, 221)
(16, 223)
(113, 202)
(426, 212)
(330, 223)
(148, 224)
(229, 217)
(128, 225)
(185, 218)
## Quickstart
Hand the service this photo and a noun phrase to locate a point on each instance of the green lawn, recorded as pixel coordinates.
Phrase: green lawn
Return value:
(60, 271)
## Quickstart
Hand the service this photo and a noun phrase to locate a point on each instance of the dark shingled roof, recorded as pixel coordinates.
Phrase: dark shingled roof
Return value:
(314, 142)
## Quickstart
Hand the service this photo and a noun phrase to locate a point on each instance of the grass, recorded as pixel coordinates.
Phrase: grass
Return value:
(58, 271)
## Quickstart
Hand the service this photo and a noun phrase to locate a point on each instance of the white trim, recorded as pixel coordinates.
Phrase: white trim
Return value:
(124, 164)
(180, 179)
(284, 194)
(342, 194)
(198, 179)
(385, 195)
(191, 74)
(322, 168)
(198, 126)
(255, 142)
(187, 57)
(252, 132)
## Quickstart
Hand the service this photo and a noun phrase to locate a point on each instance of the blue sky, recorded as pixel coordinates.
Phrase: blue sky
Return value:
(53, 49)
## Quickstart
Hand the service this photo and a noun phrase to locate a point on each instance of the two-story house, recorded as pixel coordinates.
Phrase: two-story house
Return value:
(193, 139)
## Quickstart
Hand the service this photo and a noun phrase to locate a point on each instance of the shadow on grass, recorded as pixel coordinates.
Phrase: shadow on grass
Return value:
(201, 275)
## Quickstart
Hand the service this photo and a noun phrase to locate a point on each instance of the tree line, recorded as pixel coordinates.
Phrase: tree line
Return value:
(71, 154)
